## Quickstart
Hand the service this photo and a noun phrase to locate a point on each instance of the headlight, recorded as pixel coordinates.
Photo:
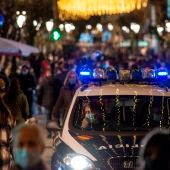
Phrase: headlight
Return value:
(78, 162)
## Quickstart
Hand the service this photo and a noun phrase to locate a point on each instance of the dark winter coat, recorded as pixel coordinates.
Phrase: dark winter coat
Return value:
(19, 108)
(65, 98)
(48, 92)
(39, 166)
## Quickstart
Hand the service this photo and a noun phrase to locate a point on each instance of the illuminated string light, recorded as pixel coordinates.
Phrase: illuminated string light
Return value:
(168, 106)
(121, 142)
(118, 108)
(134, 108)
(162, 112)
(79, 115)
(149, 110)
(102, 109)
(134, 143)
(79, 9)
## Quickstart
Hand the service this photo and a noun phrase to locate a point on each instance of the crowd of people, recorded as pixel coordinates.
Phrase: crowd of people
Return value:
(51, 82)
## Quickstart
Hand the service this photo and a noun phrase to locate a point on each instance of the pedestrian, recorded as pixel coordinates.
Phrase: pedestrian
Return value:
(66, 95)
(6, 124)
(28, 148)
(17, 102)
(48, 92)
(27, 82)
(156, 152)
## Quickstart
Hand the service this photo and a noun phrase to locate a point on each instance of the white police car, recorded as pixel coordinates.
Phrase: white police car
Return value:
(106, 122)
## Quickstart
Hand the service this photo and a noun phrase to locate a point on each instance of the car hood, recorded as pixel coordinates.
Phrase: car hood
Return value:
(105, 147)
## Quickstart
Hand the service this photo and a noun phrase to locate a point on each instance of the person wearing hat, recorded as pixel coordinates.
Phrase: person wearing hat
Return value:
(6, 124)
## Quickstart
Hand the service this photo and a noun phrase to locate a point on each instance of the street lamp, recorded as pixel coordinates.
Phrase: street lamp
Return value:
(167, 26)
(135, 27)
(160, 30)
(49, 25)
(110, 27)
(61, 27)
(69, 27)
(35, 23)
(88, 27)
(99, 27)
(21, 19)
(126, 29)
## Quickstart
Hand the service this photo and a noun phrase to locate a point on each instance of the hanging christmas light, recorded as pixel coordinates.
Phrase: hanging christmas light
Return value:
(168, 109)
(117, 105)
(149, 110)
(78, 9)
(102, 109)
(162, 111)
(135, 100)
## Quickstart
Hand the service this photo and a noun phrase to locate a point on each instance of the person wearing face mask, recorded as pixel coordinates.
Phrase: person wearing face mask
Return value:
(65, 97)
(28, 148)
(88, 117)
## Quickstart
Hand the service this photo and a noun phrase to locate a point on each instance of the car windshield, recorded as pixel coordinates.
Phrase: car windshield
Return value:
(121, 113)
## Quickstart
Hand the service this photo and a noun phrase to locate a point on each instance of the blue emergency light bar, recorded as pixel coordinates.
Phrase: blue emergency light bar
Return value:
(85, 73)
(162, 73)
(112, 74)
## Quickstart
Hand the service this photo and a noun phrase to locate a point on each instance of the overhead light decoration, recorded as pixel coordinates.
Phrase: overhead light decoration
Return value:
(84, 9)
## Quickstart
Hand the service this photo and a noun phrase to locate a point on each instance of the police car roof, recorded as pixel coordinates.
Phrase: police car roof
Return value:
(123, 89)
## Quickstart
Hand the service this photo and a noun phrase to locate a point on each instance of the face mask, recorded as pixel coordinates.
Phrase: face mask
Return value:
(25, 159)
(90, 117)
(21, 158)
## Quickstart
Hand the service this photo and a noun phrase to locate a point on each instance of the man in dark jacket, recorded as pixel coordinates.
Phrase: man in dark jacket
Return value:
(48, 93)
(27, 82)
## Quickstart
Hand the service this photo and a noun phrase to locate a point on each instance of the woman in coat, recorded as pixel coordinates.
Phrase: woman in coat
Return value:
(17, 102)
(66, 95)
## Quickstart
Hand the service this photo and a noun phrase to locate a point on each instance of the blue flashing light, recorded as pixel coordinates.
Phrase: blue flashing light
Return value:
(85, 73)
(2, 20)
(162, 73)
